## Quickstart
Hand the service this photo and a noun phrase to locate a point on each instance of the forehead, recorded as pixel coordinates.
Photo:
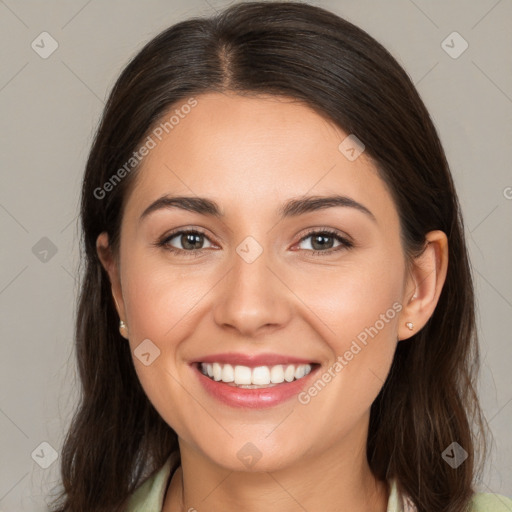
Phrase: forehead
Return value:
(252, 152)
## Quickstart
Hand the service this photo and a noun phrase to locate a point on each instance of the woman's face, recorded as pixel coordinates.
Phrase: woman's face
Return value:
(248, 289)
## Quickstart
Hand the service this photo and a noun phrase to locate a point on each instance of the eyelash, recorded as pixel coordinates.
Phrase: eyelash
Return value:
(164, 242)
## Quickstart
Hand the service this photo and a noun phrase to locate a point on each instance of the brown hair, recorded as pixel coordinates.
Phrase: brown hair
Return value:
(117, 438)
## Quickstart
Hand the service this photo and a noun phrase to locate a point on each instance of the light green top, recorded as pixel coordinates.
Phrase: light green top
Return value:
(149, 496)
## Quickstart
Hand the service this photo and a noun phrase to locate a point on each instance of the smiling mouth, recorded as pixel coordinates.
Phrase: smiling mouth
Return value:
(255, 378)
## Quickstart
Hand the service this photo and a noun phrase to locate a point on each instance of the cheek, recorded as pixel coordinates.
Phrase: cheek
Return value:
(161, 302)
(357, 299)
(159, 308)
(159, 298)
(356, 310)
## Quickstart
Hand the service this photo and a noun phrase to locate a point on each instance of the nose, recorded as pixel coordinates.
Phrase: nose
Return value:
(252, 298)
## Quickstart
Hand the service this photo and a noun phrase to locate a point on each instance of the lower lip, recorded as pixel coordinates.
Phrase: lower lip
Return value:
(254, 398)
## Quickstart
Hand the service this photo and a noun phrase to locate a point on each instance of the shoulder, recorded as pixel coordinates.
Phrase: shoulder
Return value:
(487, 502)
(480, 502)
(149, 496)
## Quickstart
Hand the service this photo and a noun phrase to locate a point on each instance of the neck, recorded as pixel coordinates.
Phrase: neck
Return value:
(339, 479)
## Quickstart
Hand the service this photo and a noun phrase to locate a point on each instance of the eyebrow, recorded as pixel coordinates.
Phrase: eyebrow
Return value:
(292, 208)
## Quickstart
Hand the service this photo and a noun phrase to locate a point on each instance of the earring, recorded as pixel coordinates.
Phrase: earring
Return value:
(409, 325)
(123, 329)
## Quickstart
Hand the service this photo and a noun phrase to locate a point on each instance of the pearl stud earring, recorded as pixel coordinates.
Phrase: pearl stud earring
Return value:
(123, 329)
(409, 325)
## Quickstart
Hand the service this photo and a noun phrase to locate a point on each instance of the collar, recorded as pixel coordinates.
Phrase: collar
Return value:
(149, 496)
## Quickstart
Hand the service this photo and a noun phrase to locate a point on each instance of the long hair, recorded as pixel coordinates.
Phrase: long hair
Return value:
(429, 400)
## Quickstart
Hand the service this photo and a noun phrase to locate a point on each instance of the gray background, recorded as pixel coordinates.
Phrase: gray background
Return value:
(50, 108)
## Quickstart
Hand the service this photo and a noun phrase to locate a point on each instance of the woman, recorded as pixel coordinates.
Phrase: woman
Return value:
(277, 309)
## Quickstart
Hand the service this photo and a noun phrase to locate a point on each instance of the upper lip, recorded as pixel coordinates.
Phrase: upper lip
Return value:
(252, 360)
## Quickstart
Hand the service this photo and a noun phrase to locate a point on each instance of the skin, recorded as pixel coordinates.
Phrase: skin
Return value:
(250, 155)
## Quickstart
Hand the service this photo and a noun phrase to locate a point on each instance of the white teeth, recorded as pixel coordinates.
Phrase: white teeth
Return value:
(261, 375)
(299, 372)
(289, 373)
(217, 371)
(242, 375)
(228, 374)
(277, 374)
(253, 377)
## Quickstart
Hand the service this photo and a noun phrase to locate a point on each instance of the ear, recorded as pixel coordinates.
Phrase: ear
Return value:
(424, 284)
(111, 266)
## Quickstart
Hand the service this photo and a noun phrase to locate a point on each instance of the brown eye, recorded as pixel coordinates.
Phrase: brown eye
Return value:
(187, 241)
(322, 241)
